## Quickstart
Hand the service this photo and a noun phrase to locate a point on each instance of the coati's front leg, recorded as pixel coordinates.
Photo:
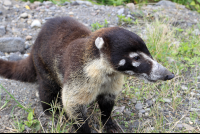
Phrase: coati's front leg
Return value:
(74, 104)
(106, 103)
(47, 94)
(81, 123)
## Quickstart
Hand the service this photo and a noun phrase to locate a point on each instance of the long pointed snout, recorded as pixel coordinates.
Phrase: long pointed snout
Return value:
(169, 77)
(163, 72)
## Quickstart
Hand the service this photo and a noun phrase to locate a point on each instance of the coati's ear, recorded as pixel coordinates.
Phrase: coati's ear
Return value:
(99, 42)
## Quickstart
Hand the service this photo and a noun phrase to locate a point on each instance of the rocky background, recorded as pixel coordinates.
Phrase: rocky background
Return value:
(20, 23)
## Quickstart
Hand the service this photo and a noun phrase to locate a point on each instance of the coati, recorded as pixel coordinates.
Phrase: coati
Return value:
(83, 66)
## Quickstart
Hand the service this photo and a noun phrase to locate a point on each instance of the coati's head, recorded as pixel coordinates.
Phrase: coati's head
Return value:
(128, 54)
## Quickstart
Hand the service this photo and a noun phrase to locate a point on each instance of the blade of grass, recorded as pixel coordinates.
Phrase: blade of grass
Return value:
(19, 104)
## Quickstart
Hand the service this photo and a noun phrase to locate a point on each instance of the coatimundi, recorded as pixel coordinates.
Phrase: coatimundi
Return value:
(84, 66)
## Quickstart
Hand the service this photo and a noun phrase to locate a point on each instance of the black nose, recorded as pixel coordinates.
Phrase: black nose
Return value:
(169, 77)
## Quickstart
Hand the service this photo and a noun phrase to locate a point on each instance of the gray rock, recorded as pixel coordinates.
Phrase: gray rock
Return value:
(131, 6)
(136, 124)
(12, 44)
(167, 100)
(74, 3)
(2, 30)
(149, 103)
(37, 3)
(84, 2)
(184, 87)
(194, 109)
(52, 8)
(142, 111)
(196, 32)
(47, 3)
(198, 78)
(2, 54)
(166, 3)
(138, 106)
(179, 126)
(134, 100)
(118, 109)
(1, 13)
(36, 23)
(15, 57)
(120, 11)
(66, 3)
(24, 15)
(7, 3)
(127, 112)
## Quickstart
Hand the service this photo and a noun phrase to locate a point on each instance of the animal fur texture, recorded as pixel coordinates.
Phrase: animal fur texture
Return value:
(81, 66)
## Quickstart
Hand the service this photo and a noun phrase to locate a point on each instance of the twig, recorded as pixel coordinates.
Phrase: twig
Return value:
(119, 126)
(178, 121)
(14, 130)
(40, 121)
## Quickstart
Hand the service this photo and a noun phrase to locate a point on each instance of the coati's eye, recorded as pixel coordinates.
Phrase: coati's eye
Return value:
(136, 58)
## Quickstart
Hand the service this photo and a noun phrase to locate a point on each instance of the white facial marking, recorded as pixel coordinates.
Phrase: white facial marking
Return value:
(135, 64)
(157, 69)
(129, 72)
(122, 62)
(99, 42)
(132, 54)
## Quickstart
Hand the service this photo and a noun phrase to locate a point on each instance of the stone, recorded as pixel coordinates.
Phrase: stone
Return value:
(2, 30)
(84, 2)
(131, 6)
(36, 23)
(66, 3)
(28, 37)
(24, 15)
(37, 3)
(2, 54)
(188, 127)
(194, 109)
(198, 78)
(142, 111)
(146, 114)
(1, 13)
(184, 87)
(120, 11)
(118, 110)
(166, 4)
(138, 106)
(127, 112)
(74, 3)
(167, 100)
(196, 32)
(7, 3)
(149, 103)
(136, 124)
(134, 100)
(12, 44)
(47, 3)
(179, 126)
(15, 57)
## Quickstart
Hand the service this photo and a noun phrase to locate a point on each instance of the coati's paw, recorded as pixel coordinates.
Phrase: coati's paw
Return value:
(112, 128)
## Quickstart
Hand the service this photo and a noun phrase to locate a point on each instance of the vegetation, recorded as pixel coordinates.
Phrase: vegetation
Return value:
(191, 4)
(96, 26)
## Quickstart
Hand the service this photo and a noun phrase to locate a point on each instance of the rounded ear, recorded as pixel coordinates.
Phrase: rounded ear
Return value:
(99, 42)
